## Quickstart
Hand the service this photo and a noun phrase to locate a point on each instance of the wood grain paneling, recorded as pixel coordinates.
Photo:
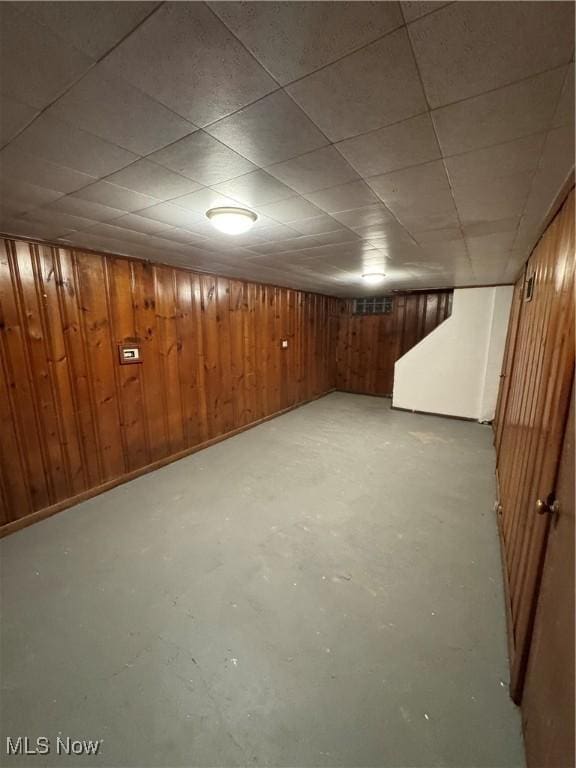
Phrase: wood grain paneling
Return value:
(548, 711)
(531, 420)
(369, 345)
(73, 420)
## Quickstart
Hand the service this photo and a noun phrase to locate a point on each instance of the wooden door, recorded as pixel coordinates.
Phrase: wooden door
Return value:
(508, 362)
(533, 423)
(548, 701)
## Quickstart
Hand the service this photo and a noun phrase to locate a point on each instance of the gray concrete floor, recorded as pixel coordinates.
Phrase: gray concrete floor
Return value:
(322, 590)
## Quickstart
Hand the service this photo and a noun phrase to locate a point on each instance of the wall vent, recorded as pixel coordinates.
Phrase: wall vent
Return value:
(373, 305)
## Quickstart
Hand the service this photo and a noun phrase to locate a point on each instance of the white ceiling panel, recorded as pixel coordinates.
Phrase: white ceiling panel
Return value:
(21, 166)
(71, 147)
(125, 122)
(374, 87)
(105, 193)
(154, 180)
(93, 28)
(14, 116)
(102, 103)
(256, 188)
(270, 130)
(316, 170)
(36, 65)
(468, 48)
(407, 143)
(186, 59)
(414, 9)
(345, 197)
(294, 39)
(508, 113)
(203, 159)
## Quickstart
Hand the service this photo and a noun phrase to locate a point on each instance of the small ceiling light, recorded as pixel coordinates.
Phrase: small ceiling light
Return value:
(373, 278)
(232, 221)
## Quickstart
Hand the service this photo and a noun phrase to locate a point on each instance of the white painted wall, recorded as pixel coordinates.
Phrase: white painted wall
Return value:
(455, 370)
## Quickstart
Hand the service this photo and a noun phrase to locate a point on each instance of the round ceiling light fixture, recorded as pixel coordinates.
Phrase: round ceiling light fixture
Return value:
(373, 278)
(231, 221)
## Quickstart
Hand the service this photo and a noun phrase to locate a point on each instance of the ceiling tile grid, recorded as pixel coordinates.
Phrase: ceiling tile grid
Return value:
(427, 140)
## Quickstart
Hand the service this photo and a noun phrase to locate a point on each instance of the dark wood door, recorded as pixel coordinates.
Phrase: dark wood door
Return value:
(532, 426)
(548, 701)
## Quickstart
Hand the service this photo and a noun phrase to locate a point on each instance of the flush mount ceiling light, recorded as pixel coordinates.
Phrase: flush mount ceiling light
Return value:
(373, 278)
(232, 221)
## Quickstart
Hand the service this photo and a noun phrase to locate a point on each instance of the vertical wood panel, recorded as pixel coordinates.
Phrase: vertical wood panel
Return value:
(533, 403)
(368, 345)
(72, 418)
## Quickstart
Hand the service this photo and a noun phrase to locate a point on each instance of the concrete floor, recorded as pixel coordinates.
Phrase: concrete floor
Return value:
(323, 590)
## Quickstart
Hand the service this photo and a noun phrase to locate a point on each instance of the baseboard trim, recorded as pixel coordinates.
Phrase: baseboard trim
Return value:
(442, 415)
(365, 394)
(42, 514)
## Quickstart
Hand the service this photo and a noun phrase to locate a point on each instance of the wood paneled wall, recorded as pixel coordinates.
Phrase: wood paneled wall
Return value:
(72, 419)
(531, 419)
(369, 345)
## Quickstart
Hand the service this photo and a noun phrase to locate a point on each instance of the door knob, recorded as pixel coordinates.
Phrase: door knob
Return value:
(550, 505)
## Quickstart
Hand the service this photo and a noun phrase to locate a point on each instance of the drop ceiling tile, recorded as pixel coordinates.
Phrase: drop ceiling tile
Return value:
(171, 214)
(415, 9)
(419, 197)
(85, 209)
(345, 197)
(203, 159)
(154, 180)
(430, 236)
(286, 245)
(275, 232)
(481, 166)
(141, 224)
(37, 66)
(105, 105)
(509, 113)
(64, 222)
(337, 237)
(293, 39)
(556, 166)
(23, 196)
(486, 246)
(374, 87)
(112, 229)
(490, 227)
(255, 189)
(269, 131)
(368, 216)
(291, 209)
(65, 145)
(202, 200)
(92, 28)
(564, 114)
(40, 229)
(379, 234)
(316, 170)
(21, 166)
(186, 59)
(502, 197)
(317, 225)
(118, 197)
(466, 49)
(448, 250)
(410, 142)
(14, 115)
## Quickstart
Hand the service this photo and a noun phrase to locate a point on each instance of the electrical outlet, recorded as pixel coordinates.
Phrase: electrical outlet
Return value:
(284, 343)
